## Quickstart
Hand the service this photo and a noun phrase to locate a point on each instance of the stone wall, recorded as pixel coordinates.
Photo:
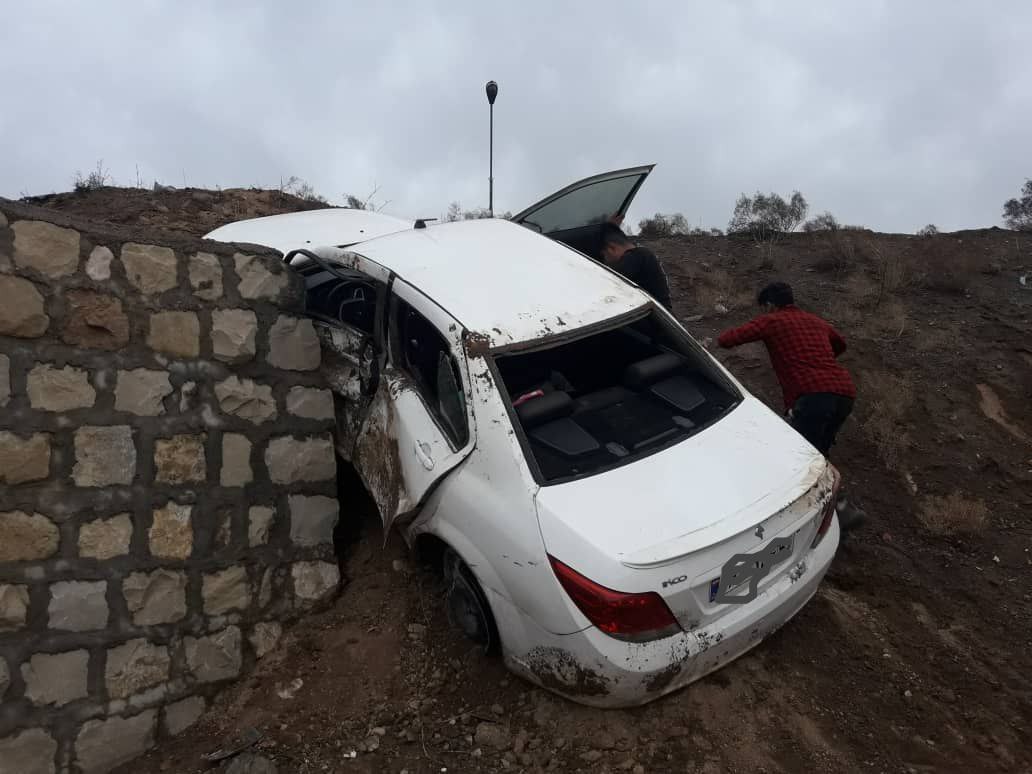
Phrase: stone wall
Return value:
(167, 482)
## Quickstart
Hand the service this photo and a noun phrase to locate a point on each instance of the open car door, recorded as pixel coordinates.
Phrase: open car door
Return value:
(575, 215)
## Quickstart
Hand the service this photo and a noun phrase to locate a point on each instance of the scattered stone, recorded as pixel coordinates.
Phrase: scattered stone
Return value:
(290, 460)
(101, 745)
(56, 678)
(233, 334)
(493, 735)
(289, 691)
(314, 580)
(106, 538)
(259, 522)
(206, 276)
(693, 318)
(23, 459)
(416, 629)
(246, 399)
(142, 392)
(591, 756)
(498, 709)
(150, 269)
(180, 459)
(310, 403)
(94, 320)
(5, 380)
(78, 606)
(21, 313)
(49, 249)
(256, 279)
(720, 309)
(175, 333)
(155, 598)
(104, 456)
(134, 666)
(98, 266)
(214, 658)
(264, 637)
(236, 460)
(312, 519)
(59, 389)
(26, 537)
(226, 590)
(251, 763)
(28, 752)
(400, 565)
(171, 534)
(293, 344)
(180, 715)
(14, 606)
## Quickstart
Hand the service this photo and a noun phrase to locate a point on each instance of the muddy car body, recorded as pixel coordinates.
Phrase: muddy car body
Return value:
(613, 509)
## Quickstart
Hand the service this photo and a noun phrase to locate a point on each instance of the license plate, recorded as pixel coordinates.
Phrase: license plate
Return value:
(741, 575)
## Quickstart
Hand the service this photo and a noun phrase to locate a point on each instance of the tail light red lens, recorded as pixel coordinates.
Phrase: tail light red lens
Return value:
(633, 617)
(829, 509)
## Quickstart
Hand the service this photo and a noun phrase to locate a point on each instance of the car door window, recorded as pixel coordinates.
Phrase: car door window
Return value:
(423, 354)
(584, 206)
(350, 302)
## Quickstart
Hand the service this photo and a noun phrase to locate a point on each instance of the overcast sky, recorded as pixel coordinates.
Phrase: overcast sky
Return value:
(888, 114)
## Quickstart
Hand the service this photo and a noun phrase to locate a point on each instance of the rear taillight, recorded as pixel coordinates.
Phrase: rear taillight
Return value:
(829, 509)
(633, 617)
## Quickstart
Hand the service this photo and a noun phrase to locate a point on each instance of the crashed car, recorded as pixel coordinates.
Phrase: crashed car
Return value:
(615, 513)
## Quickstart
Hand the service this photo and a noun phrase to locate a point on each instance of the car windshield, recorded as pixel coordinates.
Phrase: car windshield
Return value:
(611, 397)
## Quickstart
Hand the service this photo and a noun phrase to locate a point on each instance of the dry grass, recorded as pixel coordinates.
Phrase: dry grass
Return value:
(888, 398)
(953, 515)
(867, 313)
(719, 287)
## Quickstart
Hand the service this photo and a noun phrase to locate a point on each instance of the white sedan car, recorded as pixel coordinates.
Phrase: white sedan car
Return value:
(614, 511)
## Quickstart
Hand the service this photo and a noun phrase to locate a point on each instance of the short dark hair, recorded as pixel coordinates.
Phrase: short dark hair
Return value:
(612, 234)
(777, 293)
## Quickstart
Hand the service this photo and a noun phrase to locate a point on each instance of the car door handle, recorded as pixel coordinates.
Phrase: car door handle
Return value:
(423, 453)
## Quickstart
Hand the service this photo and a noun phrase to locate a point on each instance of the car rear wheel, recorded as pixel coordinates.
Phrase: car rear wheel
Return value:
(468, 609)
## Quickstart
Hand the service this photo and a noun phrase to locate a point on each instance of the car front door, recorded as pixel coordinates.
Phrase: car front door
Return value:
(575, 215)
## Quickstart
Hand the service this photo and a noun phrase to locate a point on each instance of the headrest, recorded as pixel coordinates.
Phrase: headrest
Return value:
(645, 372)
(550, 406)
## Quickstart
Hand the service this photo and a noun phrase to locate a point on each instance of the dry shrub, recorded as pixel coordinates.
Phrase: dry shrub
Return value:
(867, 312)
(952, 515)
(952, 276)
(719, 287)
(887, 397)
(895, 271)
(842, 253)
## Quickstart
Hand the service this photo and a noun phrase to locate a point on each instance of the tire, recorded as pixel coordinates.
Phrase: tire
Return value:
(467, 605)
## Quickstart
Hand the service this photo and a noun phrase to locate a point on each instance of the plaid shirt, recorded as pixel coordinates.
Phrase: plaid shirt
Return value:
(802, 349)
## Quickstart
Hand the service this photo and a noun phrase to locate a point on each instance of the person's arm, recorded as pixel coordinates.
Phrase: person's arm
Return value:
(838, 344)
(751, 331)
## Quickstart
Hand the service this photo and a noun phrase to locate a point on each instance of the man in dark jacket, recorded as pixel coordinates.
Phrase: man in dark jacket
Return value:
(638, 264)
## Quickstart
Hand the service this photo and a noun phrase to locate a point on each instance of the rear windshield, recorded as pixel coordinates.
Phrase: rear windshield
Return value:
(612, 397)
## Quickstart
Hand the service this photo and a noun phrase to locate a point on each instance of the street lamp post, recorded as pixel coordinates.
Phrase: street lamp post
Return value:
(492, 93)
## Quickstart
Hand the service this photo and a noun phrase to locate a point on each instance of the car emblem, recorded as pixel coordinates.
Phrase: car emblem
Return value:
(759, 532)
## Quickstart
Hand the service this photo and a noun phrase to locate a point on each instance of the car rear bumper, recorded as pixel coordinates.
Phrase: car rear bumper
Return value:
(592, 668)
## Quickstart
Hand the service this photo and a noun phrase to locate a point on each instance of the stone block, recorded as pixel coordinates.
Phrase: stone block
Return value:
(78, 606)
(232, 334)
(175, 333)
(171, 534)
(104, 456)
(312, 519)
(180, 715)
(21, 313)
(290, 460)
(206, 276)
(28, 752)
(150, 269)
(226, 590)
(5, 380)
(293, 344)
(5, 677)
(314, 581)
(135, 666)
(59, 389)
(310, 403)
(246, 399)
(14, 606)
(106, 538)
(27, 537)
(142, 392)
(49, 249)
(265, 589)
(98, 265)
(55, 678)
(156, 597)
(101, 745)
(180, 459)
(259, 522)
(94, 320)
(257, 280)
(216, 657)
(264, 637)
(23, 459)
(236, 460)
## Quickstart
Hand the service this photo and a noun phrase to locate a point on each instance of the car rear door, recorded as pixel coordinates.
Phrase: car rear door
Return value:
(575, 215)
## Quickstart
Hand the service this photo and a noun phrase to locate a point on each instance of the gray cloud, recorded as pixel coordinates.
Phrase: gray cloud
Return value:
(889, 115)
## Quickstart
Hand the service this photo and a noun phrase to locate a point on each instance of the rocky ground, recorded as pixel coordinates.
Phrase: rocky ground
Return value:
(915, 655)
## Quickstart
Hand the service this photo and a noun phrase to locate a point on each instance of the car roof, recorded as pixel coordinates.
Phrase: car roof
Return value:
(312, 228)
(503, 280)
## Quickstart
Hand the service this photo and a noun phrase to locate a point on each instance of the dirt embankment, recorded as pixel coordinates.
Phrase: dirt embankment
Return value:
(914, 657)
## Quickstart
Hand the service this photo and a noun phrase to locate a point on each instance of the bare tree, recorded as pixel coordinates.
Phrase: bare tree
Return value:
(1017, 213)
(660, 225)
(98, 178)
(767, 218)
(930, 230)
(823, 222)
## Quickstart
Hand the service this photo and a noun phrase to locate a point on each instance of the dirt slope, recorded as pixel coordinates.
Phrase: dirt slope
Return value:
(914, 657)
